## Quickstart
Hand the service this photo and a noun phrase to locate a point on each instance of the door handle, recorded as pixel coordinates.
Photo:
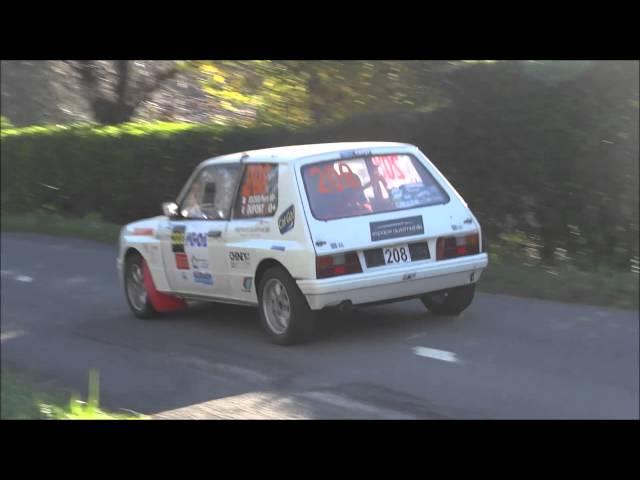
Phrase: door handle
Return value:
(214, 233)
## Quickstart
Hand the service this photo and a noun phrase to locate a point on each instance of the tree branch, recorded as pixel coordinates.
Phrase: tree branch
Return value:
(87, 75)
(122, 66)
(147, 90)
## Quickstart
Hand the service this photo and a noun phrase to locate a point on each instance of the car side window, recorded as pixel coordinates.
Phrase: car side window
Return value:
(211, 194)
(258, 193)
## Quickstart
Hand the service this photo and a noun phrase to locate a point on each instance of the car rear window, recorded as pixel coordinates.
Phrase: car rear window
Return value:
(367, 185)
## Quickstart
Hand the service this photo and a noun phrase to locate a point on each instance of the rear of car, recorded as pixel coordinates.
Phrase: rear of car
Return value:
(386, 225)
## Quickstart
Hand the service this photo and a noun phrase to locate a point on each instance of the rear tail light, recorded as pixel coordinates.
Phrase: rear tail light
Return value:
(335, 265)
(452, 247)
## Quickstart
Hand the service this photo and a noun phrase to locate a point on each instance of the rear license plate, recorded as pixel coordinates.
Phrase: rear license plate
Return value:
(397, 254)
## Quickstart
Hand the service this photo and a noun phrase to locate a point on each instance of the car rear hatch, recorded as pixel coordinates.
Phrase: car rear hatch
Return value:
(394, 225)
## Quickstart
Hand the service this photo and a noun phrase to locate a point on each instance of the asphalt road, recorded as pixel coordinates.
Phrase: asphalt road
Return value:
(63, 312)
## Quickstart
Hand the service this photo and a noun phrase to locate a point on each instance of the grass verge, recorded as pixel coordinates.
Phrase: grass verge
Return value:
(602, 287)
(24, 399)
(90, 227)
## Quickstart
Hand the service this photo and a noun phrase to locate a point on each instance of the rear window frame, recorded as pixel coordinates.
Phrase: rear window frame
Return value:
(368, 156)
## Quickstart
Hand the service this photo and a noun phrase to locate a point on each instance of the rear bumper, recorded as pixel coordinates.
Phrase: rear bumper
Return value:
(393, 283)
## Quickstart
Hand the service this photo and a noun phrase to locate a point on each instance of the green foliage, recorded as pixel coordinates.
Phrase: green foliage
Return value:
(74, 170)
(602, 286)
(5, 124)
(80, 410)
(303, 93)
(22, 399)
(91, 227)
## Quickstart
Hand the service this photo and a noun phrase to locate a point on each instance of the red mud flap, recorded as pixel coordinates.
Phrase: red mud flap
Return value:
(161, 302)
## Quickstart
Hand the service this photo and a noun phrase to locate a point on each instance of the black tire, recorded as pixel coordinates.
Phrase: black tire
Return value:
(301, 318)
(146, 311)
(449, 302)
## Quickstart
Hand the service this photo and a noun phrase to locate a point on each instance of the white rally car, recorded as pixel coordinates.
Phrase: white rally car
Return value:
(296, 229)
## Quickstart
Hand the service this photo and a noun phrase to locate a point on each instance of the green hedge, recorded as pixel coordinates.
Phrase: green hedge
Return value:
(553, 187)
(119, 172)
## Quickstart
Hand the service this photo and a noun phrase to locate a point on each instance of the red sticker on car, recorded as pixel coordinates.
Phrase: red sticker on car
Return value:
(256, 180)
(258, 194)
(182, 261)
(388, 167)
(143, 231)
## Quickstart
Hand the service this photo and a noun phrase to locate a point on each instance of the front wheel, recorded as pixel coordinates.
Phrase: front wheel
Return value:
(135, 289)
(449, 302)
(284, 312)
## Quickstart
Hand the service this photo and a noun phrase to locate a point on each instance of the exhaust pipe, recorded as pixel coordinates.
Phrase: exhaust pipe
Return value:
(345, 307)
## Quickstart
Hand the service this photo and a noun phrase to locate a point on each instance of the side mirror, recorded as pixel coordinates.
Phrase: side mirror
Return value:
(170, 209)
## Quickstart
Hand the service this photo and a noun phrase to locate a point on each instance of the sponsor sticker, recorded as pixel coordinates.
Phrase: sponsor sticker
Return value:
(177, 238)
(258, 205)
(402, 227)
(355, 153)
(255, 229)
(182, 262)
(238, 258)
(287, 220)
(203, 278)
(199, 263)
(196, 239)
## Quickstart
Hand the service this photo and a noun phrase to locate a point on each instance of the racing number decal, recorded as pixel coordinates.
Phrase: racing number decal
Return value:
(394, 255)
(330, 181)
(388, 166)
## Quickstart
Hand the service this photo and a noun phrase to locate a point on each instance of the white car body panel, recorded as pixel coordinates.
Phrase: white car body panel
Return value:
(234, 257)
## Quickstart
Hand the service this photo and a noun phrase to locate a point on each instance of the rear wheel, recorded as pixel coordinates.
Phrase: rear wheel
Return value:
(135, 290)
(284, 312)
(452, 301)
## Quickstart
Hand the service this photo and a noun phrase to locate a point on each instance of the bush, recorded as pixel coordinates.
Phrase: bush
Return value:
(119, 172)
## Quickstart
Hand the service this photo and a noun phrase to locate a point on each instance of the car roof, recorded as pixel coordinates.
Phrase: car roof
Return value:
(295, 152)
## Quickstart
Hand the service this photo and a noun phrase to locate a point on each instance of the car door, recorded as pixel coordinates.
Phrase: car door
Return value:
(194, 244)
(250, 228)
